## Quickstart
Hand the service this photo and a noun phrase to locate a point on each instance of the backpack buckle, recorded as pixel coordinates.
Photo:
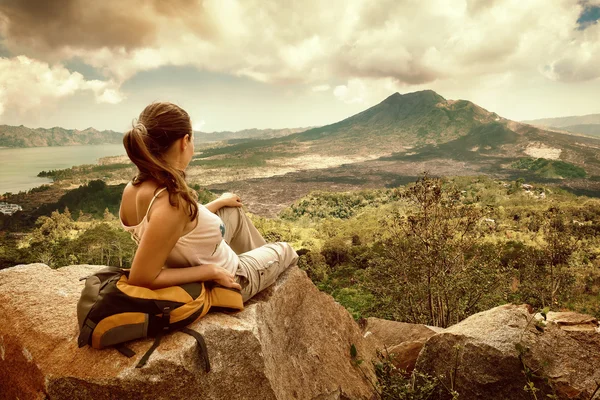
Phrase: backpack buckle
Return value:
(166, 318)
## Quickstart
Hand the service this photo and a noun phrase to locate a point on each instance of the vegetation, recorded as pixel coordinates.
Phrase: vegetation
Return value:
(89, 170)
(58, 240)
(395, 384)
(440, 250)
(338, 205)
(550, 168)
(432, 252)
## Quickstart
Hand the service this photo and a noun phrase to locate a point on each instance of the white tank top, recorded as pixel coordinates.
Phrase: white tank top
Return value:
(202, 245)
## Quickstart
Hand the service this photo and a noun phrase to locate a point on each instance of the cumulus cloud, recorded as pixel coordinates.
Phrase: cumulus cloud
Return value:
(311, 42)
(27, 84)
(354, 91)
(579, 60)
(197, 125)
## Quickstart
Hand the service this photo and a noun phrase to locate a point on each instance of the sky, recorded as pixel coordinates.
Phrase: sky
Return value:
(283, 64)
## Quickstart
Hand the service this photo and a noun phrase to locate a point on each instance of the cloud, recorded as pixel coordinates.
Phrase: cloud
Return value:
(311, 42)
(198, 125)
(320, 88)
(27, 84)
(354, 91)
(42, 25)
(579, 59)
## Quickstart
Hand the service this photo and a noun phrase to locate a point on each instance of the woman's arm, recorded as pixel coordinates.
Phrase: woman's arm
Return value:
(161, 234)
(226, 200)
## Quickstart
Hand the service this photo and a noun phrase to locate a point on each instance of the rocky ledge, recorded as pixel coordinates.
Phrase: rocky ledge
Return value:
(494, 354)
(290, 342)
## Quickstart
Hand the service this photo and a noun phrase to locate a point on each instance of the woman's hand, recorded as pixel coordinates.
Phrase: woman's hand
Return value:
(230, 200)
(225, 278)
(226, 200)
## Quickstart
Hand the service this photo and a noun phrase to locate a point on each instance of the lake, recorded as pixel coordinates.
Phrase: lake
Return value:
(19, 167)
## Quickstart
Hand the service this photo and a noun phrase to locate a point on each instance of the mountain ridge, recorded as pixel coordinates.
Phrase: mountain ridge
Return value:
(22, 136)
(583, 124)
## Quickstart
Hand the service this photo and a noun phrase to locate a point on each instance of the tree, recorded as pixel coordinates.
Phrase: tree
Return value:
(432, 269)
(50, 241)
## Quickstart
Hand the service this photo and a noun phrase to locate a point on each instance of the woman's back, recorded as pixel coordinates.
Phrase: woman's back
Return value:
(201, 241)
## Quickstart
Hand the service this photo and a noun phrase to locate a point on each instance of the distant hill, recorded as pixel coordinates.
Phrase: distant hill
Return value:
(21, 136)
(586, 129)
(584, 124)
(562, 122)
(205, 137)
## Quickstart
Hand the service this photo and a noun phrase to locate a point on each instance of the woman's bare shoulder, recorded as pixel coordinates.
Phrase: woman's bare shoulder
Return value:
(136, 199)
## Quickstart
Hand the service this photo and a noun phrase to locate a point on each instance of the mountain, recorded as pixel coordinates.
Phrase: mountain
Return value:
(402, 121)
(398, 123)
(423, 127)
(584, 124)
(21, 136)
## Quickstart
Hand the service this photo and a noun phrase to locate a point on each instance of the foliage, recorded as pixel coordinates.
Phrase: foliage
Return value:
(338, 205)
(395, 384)
(69, 173)
(92, 198)
(436, 271)
(517, 247)
(58, 241)
(550, 168)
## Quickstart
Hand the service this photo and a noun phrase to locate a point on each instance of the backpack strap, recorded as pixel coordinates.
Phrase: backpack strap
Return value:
(147, 355)
(202, 350)
(201, 346)
(126, 351)
(86, 332)
(166, 316)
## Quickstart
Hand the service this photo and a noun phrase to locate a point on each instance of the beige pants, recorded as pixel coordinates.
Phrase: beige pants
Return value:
(260, 262)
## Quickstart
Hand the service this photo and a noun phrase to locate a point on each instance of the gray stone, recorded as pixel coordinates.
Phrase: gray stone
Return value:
(479, 356)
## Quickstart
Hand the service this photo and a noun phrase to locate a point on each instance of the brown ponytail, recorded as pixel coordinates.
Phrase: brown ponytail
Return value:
(158, 126)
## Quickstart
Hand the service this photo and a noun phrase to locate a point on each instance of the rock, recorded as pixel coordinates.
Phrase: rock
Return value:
(392, 333)
(572, 321)
(403, 341)
(290, 342)
(481, 356)
(404, 355)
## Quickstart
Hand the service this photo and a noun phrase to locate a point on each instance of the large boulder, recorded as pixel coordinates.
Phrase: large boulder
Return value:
(290, 342)
(486, 355)
(402, 341)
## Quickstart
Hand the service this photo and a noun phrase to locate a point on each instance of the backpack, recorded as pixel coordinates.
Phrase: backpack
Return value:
(111, 312)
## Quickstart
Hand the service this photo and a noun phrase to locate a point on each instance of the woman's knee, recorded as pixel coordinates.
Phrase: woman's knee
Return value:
(227, 210)
(288, 255)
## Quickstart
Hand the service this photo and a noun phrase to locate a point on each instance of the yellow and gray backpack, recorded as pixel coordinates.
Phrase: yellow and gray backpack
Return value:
(111, 312)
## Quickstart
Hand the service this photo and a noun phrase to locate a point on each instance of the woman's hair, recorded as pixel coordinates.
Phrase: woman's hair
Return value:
(158, 126)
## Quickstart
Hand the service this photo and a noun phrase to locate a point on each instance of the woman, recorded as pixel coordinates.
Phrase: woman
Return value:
(213, 242)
